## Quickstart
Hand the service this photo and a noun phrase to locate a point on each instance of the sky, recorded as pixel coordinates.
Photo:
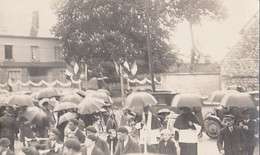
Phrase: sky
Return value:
(213, 38)
(216, 38)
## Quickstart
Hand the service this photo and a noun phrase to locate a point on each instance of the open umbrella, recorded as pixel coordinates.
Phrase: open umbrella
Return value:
(48, 92)
(90, 105)
(74, 98)
(65, 106)
(217, 95)
(186, 100)
(19, 100)
(138, 100)
(239, 100)
(101, 95)
(66, 117)
(36, 116)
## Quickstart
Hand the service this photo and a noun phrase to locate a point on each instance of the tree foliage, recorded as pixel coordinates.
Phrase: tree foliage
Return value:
(103, 31)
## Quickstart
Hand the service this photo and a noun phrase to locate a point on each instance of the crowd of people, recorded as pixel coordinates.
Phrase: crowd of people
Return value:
(112, 132)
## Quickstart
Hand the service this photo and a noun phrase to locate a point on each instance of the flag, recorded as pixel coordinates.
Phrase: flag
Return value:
(116, 67)
(76, 68)
(134, 68)
(69, 71)
(126, 66)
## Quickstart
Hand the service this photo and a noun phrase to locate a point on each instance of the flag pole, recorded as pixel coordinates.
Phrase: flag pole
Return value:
(122, 85)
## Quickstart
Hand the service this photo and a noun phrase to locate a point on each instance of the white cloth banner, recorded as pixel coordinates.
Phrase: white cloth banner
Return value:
(42, 82)
(145, 80)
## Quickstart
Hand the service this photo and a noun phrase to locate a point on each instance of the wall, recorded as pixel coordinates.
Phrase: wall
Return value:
(22, 48)
(201, 83)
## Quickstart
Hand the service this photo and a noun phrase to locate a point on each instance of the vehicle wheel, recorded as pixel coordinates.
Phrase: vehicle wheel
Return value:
(212, 128)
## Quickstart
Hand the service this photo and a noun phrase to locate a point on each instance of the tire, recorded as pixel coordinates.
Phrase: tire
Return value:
(212, 128)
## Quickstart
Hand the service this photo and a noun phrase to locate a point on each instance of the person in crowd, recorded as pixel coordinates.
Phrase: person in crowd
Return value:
(30, 151)
(149, 147)
(112, 139)
(73, 130)
(249, 126)
(72, 147)
(97, 124)
(124, 118)
(166, 144)
(111, 123)
(90, 146)
(188, 128)
(231, 139)
(4, 147)
(9, 126)
(25, 130)
(100, 143)
(53, 144)
(150, 125)
(197, 112)
(126, 144)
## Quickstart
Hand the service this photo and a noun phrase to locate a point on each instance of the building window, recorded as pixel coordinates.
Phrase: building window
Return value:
(35, 53)
(14, 75)
(8, 52)
(58, 54)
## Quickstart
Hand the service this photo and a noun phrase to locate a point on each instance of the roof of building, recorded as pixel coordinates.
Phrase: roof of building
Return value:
(243, 58)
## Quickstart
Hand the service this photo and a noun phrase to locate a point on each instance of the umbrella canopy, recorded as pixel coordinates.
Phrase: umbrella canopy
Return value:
(48, 92)
(101, 95)
(74, 98)
(36, 116)
(90, 105)
(65, 106)
(239, 100)
(187, 100)
(137, 100)
(67, 117)
(217, 95)
(80, 92)
(104, 91)
(19, 100)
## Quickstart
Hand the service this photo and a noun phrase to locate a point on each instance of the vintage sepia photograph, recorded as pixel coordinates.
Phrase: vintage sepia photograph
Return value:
(125, 77)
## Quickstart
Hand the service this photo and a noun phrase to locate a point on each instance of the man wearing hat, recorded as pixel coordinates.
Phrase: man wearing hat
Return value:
(90, 147)
(74, 130)
(4, 147)
(53, 144)
(231, 139)
(126, 144)
(100, 143)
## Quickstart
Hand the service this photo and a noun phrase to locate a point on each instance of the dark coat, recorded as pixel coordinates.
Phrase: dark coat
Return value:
(169, 148)
(8, 127)
(80, 136)
(131, 147)
(103, 146)
(233, 142)
(95, 151)
(250, 133)
(111, 124)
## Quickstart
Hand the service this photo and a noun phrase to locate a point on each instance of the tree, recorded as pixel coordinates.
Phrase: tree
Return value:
(194, 11)
(103, 31)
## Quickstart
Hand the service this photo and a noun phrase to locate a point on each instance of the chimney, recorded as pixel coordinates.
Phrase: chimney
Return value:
(35, 24)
